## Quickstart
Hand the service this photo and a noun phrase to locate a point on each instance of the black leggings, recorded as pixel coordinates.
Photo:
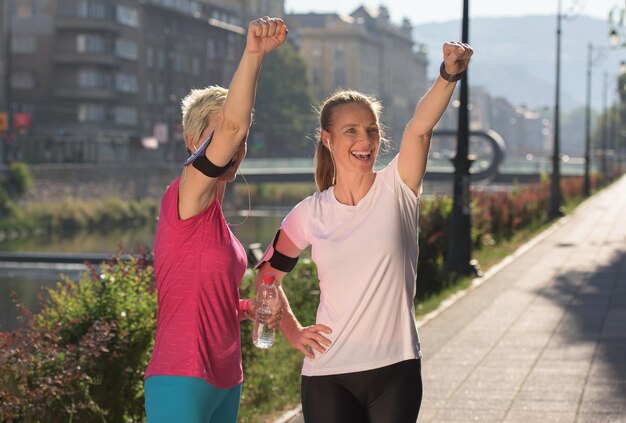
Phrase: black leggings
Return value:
(391, 394)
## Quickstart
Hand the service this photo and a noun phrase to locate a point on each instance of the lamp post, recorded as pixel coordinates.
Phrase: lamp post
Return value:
(555, 192)
(587, 184)
(591, 61)
(7, 80)
(458, 259)
(605, 124)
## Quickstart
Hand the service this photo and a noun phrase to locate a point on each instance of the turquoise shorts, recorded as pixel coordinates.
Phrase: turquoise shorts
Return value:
(189, 400)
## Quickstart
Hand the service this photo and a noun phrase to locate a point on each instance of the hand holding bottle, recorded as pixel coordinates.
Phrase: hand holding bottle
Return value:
(267, 311)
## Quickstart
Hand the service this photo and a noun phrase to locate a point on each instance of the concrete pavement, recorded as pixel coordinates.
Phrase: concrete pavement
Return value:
(540, 338)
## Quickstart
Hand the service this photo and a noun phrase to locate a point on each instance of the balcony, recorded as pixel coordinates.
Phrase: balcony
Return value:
(86, 58)
(92, 24)
(85, 94)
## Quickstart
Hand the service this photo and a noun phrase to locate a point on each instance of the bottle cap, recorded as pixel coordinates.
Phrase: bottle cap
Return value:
(268, 278)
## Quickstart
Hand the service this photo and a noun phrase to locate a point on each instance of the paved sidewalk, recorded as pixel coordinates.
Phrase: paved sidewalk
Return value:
(543, 338)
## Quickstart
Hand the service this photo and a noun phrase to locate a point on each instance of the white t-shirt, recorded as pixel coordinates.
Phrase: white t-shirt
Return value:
(366, 257)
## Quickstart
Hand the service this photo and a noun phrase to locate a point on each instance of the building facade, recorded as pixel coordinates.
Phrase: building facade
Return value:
(114, 71)
(364, 52)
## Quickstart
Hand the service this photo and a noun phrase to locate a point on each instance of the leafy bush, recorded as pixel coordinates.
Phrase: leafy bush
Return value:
(272, 377)
(433, 244)
(83, 355)
(13, 185)
(18, 180)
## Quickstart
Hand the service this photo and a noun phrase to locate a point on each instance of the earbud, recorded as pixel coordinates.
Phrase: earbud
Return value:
(329, 147)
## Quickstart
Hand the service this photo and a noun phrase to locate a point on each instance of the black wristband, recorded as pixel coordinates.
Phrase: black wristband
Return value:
(445, 75)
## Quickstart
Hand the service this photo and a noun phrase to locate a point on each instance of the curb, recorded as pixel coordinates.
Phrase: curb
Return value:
(289, 415)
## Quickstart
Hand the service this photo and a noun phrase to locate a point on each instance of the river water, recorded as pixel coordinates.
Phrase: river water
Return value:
(27, 281)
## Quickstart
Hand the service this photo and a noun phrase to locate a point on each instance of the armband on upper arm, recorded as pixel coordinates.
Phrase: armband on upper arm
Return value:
(276, 259)
(207, 168)
(200, 161)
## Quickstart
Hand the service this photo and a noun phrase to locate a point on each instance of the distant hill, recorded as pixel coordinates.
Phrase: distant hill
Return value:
(515, 58)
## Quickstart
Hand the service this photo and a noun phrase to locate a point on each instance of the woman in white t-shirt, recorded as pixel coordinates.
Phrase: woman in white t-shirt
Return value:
(362, 357)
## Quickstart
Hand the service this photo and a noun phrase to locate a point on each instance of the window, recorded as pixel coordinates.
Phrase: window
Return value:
(91, 43)
(340, 53)
(23, 44)
(92, 9)
(181, 62)
(93, 78)
(149, 93)
(160, 94)
(210, 49)
(195, 66)
(125, 115)
(231, 46)
(149, 57)
(25, 8)
(88, 78)
(126, 49)
(341, 78)
(23, 80)
(89, 112)
(127, 15)
(126, 82)
(161, 60)
(316, 78)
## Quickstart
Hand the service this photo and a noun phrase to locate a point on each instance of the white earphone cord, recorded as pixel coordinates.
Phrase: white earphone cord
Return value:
(330, 151)
(249, 202)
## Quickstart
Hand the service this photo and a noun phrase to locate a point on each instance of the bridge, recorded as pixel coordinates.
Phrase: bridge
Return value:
(491, 169)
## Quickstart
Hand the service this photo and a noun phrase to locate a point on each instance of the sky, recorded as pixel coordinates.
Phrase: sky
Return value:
(421, 11)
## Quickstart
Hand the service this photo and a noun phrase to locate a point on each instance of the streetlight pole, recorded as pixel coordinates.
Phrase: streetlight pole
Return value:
(459, 255)
(605, 123)
(8, 65)
(555, 193)
(612, 146)
(587, 186)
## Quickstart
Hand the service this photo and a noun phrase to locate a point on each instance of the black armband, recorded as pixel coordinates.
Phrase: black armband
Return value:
(204, 165)
(276, 259)
(200, 161)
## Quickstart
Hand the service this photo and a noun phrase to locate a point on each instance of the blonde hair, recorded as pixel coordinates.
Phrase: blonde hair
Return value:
(198, 106)
(324, 165)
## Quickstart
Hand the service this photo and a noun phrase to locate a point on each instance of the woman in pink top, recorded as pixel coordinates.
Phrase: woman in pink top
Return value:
(195, 371)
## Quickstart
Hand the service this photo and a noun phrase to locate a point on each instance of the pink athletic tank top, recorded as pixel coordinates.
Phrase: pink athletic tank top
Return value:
(198, 266)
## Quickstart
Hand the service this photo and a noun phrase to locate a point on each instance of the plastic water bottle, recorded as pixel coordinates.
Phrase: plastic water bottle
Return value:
(266, 297)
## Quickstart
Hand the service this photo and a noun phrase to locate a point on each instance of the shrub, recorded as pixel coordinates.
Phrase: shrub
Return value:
(13, 185)
(18, 179)
(433, 244)
(83, 355)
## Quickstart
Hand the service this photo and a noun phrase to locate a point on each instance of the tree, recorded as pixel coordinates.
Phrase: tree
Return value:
(284, 119)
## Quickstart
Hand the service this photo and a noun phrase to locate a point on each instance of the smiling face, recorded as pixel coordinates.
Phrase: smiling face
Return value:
(354, 138)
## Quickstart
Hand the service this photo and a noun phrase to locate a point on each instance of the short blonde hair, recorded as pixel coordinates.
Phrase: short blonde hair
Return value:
(198, 106)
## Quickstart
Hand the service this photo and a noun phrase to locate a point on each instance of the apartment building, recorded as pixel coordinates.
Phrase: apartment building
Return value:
(364, 51)
(103, 70)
